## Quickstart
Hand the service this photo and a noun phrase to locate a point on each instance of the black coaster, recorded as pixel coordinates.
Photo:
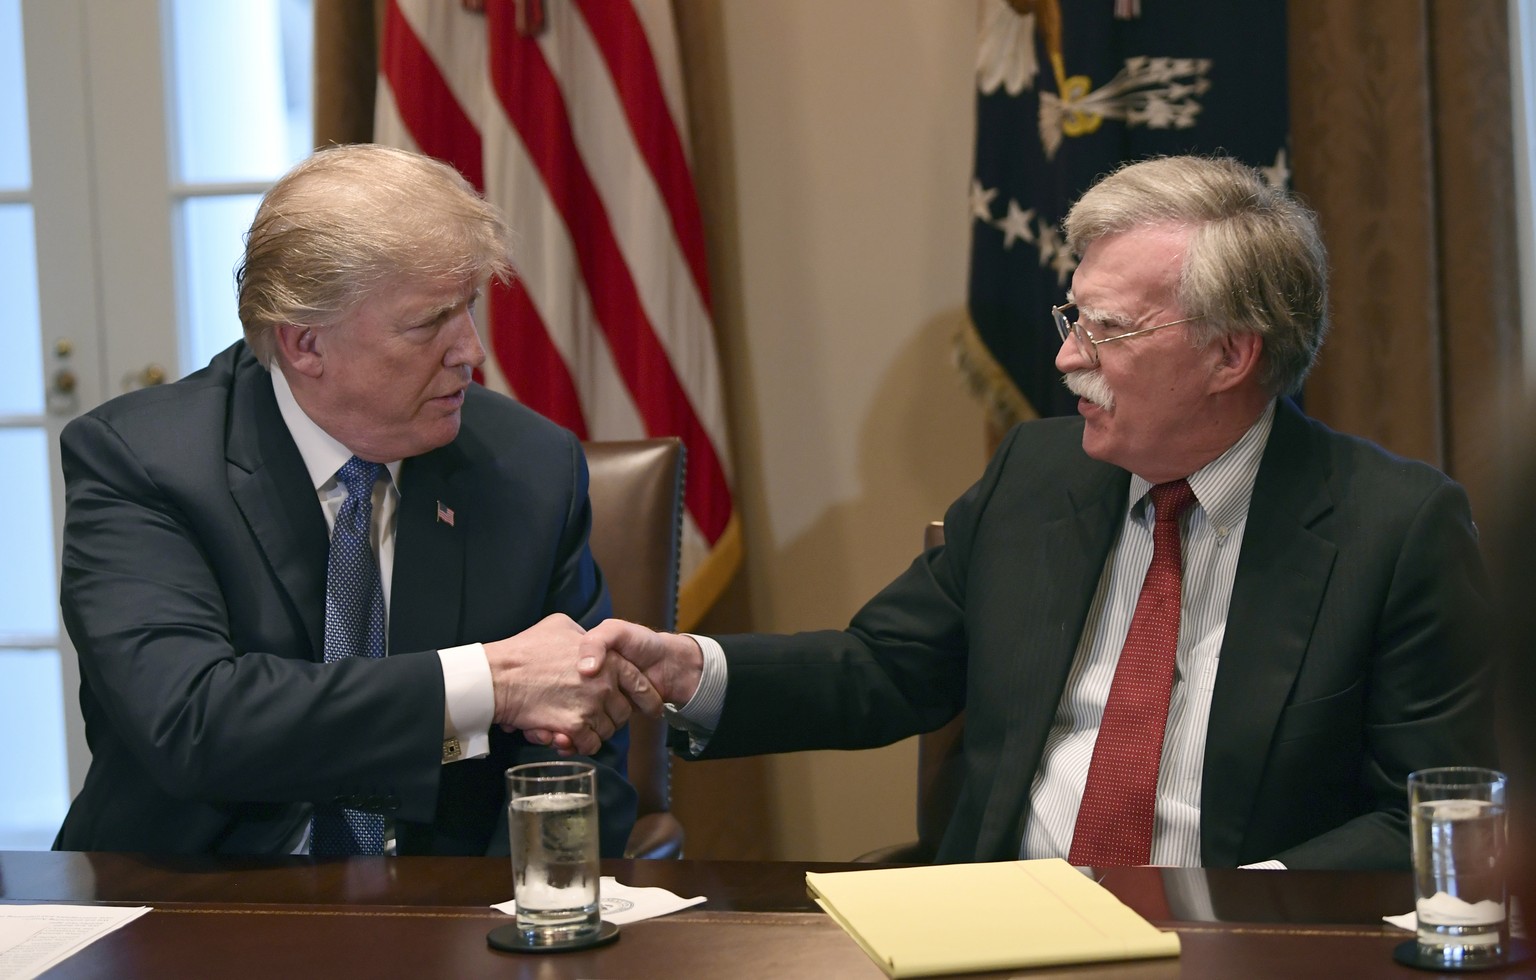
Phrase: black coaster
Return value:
(509, 939)
(1409, 954)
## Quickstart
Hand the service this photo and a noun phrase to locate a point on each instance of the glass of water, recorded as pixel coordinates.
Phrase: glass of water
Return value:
(1460, 830)
(553, 822)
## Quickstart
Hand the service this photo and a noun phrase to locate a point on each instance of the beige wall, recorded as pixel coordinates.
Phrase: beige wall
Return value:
(833, 142)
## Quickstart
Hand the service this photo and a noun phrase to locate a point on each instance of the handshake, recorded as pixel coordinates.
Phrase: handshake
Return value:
(570, 688)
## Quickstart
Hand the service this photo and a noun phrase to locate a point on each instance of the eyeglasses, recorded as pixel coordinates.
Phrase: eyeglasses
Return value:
(1087, 343)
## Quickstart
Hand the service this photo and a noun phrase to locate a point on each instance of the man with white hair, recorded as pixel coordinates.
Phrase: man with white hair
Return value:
(1191, 626)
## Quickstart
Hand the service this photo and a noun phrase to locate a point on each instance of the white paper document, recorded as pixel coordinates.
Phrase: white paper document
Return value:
(622, 904)
(36, 937)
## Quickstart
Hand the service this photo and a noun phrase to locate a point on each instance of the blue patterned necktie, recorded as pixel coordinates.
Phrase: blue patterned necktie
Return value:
(354, 627)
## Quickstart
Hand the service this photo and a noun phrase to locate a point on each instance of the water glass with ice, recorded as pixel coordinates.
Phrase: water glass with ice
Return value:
(552, 818)
(1460, 830)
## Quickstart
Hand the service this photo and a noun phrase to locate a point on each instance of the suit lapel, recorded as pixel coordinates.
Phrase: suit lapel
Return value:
(1281, 577)
(271, 486)
(1073, 548)
(426, 595)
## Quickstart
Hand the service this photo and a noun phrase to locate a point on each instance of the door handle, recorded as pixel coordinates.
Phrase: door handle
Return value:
(64, 387)
(146, 377)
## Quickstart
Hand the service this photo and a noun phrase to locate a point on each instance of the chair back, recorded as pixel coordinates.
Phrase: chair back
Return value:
(636, 491)
(940, 773)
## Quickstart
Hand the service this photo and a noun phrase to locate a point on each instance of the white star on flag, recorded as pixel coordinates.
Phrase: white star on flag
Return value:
(1015, 225)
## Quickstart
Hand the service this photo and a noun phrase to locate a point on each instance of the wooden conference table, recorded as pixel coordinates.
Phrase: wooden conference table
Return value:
(292, 918)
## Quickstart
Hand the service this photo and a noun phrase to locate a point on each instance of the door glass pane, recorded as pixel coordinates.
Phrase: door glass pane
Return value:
(15, 166)
(241, 79)
(28, 602)
(32, 763)
(213, 238)
(21, 353)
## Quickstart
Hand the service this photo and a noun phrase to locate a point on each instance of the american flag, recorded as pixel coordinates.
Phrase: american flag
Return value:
(570, 116)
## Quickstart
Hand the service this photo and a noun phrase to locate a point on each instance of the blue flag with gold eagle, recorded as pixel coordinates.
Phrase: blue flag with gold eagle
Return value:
(1067, 90)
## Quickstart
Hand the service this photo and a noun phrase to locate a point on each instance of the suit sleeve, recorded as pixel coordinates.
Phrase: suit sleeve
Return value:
(898, 669)
(1427, 690)
(207, 721)
(576, 587)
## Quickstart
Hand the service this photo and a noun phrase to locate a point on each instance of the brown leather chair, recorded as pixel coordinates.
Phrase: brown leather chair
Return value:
(637, 521)
(940, 772)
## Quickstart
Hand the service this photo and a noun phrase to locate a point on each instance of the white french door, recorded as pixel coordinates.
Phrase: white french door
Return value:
(135, 139)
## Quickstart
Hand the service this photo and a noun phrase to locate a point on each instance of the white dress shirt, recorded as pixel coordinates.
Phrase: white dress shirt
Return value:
(1212, 538)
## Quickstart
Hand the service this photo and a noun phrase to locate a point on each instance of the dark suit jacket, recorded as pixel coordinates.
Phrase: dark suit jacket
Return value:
(194, 592)
(1350, 655)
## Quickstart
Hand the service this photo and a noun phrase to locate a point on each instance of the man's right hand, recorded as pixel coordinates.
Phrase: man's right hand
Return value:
(540, 685)
(672, 662)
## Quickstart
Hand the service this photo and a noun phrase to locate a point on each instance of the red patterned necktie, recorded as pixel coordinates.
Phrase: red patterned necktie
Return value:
(1114, 823)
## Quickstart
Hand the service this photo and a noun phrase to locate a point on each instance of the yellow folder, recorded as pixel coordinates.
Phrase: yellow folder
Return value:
(959, 918)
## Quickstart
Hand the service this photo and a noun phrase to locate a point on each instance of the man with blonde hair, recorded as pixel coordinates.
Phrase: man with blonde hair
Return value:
(320, 586)
(1190, 627)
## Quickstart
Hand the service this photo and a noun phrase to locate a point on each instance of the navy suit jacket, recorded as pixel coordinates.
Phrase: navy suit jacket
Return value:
(1351, 654)
(194, 592)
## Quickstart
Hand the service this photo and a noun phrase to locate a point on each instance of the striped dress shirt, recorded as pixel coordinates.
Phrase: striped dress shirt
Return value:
(1212, 538)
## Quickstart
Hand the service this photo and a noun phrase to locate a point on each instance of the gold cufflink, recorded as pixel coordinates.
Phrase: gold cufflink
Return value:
(452, 750)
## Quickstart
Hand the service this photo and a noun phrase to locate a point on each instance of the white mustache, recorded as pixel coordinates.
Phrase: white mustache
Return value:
(1092, 386)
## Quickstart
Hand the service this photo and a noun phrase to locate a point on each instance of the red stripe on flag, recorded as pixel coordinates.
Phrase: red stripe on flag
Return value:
(427, 107)
(528, 92)
(533, 367)
(620, 36)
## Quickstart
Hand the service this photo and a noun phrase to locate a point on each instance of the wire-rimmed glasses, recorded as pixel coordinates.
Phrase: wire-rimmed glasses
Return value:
(1087, 343)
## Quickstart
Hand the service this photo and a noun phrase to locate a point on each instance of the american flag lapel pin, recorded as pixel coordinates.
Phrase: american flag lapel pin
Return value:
(444, 514)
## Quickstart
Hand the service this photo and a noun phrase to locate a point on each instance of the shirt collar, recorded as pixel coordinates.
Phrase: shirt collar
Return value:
(1224, 486)
(322, 454)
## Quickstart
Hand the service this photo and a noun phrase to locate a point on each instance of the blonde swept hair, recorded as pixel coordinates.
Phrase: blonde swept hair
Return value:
(348, 220)
(1256, 261)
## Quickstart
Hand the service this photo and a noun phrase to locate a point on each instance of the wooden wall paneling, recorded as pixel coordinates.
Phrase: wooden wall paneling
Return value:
(1363, 159)
(1479, 284)
(346, 68)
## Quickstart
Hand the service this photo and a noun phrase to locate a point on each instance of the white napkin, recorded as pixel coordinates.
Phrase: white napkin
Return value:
(1408, 920)
(1450, 909)
(622, 904)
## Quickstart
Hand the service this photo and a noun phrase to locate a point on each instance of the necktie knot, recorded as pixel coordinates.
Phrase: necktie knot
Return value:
(359, 476)
(1171, 500)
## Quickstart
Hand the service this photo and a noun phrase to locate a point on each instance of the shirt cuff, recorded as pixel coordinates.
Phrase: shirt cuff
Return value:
(469, 702)
(1270, 865)
(701, 715)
